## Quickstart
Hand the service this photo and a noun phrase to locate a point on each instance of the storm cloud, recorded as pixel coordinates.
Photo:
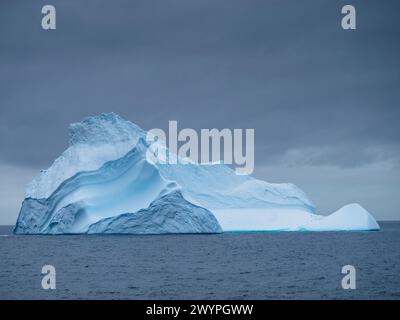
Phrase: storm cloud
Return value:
(321, 99)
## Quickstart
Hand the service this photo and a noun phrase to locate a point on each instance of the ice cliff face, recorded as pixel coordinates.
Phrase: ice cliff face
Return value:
(104, 183)
(170, 213)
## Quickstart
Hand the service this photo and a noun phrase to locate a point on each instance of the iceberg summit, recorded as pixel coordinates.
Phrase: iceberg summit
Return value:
(105, 182)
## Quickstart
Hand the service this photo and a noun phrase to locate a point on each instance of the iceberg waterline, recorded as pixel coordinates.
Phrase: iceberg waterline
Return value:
(104, 183)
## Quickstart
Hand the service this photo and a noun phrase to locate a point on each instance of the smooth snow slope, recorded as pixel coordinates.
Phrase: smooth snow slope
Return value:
(218, 186)
(104, 182)
(351, 217)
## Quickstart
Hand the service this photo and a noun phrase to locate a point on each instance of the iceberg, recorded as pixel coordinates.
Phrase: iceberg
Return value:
(105, 182)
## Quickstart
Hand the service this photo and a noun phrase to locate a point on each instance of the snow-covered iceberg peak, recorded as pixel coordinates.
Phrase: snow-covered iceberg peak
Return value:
(93, 142)
(106, 128)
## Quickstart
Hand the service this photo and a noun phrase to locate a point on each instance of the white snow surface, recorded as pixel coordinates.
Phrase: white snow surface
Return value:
(351, 217)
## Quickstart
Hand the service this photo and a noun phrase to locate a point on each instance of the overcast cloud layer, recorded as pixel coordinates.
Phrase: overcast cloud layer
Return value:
(324, 102)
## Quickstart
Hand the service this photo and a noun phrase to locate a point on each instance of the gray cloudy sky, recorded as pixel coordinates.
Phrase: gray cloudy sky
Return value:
(324, 102)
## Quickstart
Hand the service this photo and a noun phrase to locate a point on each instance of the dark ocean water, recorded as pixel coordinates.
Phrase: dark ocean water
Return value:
(269, 265)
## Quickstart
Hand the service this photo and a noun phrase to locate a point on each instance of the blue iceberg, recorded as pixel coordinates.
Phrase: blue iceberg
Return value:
(105, 183)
